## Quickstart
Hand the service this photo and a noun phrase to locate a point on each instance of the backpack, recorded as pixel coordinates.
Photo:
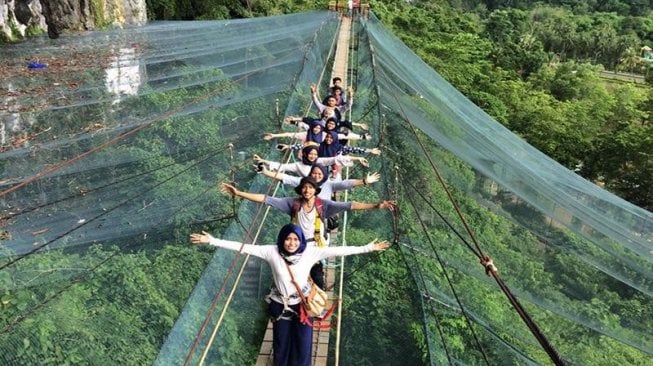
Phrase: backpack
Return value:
(296, 206)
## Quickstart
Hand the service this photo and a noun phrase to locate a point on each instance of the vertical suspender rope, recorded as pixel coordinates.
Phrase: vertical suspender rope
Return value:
(341, 271)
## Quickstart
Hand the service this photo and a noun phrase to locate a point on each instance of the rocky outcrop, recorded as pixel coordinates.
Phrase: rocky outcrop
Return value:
(19, 18)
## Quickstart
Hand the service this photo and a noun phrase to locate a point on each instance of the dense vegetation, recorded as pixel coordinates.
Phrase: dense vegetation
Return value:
(535, 71)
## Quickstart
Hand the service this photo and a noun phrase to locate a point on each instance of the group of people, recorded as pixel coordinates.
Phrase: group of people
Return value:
(302, 245)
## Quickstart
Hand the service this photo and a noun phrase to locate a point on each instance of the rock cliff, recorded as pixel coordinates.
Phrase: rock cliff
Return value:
(19, 18)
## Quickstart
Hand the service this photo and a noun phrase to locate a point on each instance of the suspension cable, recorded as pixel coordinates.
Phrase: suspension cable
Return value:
(104, 213)
(485, 260)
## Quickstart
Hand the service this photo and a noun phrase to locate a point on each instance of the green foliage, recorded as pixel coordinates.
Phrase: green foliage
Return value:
(117, 316)
(34, 30)
(380, 308)
(532, 69)
(224, 9)
(97, 9)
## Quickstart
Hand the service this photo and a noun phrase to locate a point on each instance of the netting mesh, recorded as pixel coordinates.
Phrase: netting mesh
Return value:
(110, 157)
(565, 226)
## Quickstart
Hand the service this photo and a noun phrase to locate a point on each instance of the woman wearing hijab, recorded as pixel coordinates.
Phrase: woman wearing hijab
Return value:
(331, 147)
(315, 132)
(321, 175)
(292, 336)
(309, 157)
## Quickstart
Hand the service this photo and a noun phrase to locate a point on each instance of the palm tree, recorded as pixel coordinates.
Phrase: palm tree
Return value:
(629, 60)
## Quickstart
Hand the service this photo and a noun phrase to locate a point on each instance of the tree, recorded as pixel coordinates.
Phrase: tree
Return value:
(630, 60)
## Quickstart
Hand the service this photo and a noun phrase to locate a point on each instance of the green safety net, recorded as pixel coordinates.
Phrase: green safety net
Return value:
(114, 149)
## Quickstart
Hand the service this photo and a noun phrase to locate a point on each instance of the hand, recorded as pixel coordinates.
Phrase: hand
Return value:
(350, 91)
(268, 136)
(228, 189)
(291, 120)
(364, 126)
(313, 89)
(259, 168)
(375, 151)
(372, 178)
(364, 162)
(203, 238)
(257, 159)
(380, 246)
(390, 205)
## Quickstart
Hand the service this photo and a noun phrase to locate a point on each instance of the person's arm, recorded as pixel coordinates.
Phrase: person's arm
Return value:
(344, 160)
(370, 179)
(234, 192)
(300, 122)
(350, 101)
(374, 246)
(354, 136)
(359, 159)
(390, 205)
(206, 238)
(316, 101)
(293, 147)
(337, 186)
(363, 126)
(360, 150)
(295, 135)
(272, 174)
(258, 159)
(273, 165)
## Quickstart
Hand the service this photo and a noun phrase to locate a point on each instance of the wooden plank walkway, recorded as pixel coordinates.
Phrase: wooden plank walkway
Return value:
(320, 337)
(342, 51)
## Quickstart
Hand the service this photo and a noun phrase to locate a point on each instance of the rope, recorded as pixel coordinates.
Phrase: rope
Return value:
(395, 221)
(555, 357)
(86, 192)
(231, 294)
(485, 259)
(341, 272)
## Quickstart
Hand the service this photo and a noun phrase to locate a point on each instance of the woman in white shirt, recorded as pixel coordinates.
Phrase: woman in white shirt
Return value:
(292, 337)
(309, 157)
